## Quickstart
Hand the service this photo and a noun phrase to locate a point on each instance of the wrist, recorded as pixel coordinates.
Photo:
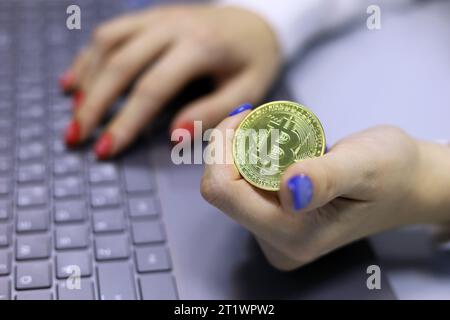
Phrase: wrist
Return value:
(262, 27)
(293, 23)
(432, 190)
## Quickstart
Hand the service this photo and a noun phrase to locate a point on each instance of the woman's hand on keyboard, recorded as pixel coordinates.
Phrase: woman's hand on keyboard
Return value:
(369, 182)
(161, 50)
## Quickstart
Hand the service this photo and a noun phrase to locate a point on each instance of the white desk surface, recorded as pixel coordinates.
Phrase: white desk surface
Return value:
(397, 75)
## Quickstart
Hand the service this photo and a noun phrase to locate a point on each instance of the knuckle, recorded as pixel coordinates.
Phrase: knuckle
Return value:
(383, 142)
(202, 36)
(211, 190)
(180, 14)
(326, 216)
(205, 44)
(328, 184)
(290, 259)
(302, 257)
(102, 36)
(370, 182)
(147, 88)
(292, 250)
(303, 250)
(117, 65)
(141, 87)
(283, 266)
(390, 129)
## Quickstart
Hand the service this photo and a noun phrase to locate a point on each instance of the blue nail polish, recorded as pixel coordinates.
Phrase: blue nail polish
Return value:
(241, 108)
(326, 148)
(301, 188)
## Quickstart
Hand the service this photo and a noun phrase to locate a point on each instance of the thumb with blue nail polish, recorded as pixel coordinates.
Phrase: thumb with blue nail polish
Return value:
(301, 189)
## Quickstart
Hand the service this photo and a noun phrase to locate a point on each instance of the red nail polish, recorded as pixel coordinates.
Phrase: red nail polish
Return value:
(103, 146)
(66, 80)
(77, 99)
(72, 135)
(189, 126)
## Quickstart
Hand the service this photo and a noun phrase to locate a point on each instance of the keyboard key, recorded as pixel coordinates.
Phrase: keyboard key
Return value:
(108, 220)
(101, 173)
(67, 164)
(144, 206)
(5, 235)
(138, 179)
(31, 113)
(35, 295)
(71, 237)
(31, 90)
(60, 124)
(5, 262)
(33, 275)
(158, 286)
(116, 281)
(147, 232)
(5, 163)
(5, 289)
(6, 105)
(59, 146)
(112, 247)
(70, 211)
(32, 151)
(31, 173)
(32, 220)
(137, 173)
(152, 259)
(61, 106)
(31, 196)
(5, 186)
(80, 259)
(32, 247)
(30, 131)
(5, 209)
(84, 292)
(105, 196)
(5, 140)
(68, 187)
(5, 126)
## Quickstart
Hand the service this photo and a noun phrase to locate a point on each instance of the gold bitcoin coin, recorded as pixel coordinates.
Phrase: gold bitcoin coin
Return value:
(271, 138)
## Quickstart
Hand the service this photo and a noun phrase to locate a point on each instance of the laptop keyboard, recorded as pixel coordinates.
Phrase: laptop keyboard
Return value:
(70, 227)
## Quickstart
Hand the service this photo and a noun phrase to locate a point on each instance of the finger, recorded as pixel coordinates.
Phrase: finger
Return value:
(309, 184)
(161, 82)
(104, 39)
(211, 109)
(121, 69)
(222, 186)
(69, 81)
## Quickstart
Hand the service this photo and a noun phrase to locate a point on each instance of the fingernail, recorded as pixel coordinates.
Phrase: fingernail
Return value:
(66, 80)
(77, 99)
(326, 148)
(301, 188)
(189, 126)
(72, 135)
(241, 108)
(103, 147)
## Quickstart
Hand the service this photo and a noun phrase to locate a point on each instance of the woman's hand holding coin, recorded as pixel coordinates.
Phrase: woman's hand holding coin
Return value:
(371, 181)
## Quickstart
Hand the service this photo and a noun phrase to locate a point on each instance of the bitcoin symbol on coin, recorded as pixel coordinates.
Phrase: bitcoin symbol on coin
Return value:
(271, 138)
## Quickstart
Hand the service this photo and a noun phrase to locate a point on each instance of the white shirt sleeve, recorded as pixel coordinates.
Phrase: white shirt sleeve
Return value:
(297, 21)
